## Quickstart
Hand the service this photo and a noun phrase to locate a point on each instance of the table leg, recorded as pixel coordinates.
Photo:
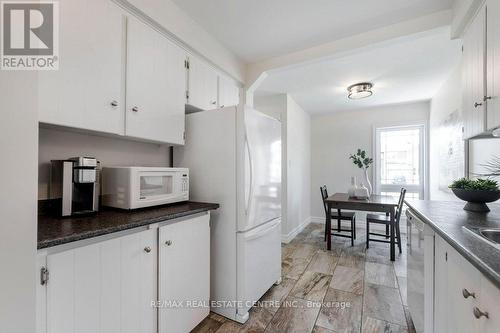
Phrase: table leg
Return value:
(392, 240)
(329, 228)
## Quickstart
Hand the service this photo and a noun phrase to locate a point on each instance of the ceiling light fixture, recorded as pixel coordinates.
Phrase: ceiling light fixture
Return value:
(360, 90)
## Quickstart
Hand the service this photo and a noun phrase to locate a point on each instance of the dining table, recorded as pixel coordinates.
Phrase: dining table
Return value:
(374, 203)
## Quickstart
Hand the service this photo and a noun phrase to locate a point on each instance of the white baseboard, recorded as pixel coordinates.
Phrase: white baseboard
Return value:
(287, 238)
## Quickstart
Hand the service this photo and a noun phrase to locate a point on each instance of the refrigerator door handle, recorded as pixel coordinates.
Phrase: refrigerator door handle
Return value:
(250, 166)
(259, 232)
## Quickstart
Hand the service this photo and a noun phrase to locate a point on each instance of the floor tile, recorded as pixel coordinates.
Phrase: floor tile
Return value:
(322, 263)
(208, 325)
(341, 312)
(348, 279)
(383, 303)
(350, 260)
(258, 321)
(311, 286)
(287, 250)
(319, 329)
(295, 316)
(409, 322)
(230, 327)
(304, 251)
(402, 284)
(372, 325)
(379, 255)
(380, 274)
(276, 294)
(293, 268)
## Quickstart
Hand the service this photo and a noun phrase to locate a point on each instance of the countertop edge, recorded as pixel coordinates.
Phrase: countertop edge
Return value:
(41, 245)
(486, 270)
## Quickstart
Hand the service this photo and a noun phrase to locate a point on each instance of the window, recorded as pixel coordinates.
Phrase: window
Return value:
(399, 160)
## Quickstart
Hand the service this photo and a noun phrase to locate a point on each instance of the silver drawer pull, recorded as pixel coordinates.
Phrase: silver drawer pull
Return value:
(114, 103)
(468, 294)
(147, 249)
(135, 109)
(477, 104)
(168, 243)
(478, 313)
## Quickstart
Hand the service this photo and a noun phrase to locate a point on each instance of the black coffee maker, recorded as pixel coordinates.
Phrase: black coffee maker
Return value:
(74, 186)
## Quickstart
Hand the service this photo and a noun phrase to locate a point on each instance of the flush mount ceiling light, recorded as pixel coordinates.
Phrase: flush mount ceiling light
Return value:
(360, 90)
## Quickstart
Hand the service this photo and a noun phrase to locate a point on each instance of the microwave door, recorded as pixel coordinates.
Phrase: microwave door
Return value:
(155, 184)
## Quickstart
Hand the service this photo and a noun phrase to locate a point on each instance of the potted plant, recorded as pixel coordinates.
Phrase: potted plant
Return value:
(477, 192)
(362, 161)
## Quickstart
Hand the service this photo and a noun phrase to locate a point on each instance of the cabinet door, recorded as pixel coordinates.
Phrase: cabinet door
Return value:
(490, 303)
(86, 92)
(474, 76)
(184, 274)
(229, 93)
(440, 286)
(156, 81)
(105, 287)
(462, 276)
(202, 85)
(493, 64)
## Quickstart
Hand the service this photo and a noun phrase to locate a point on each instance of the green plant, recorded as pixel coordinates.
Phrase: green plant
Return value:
(361, 159)
(476, 184)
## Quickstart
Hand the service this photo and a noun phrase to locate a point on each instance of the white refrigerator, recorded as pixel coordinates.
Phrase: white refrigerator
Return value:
(234, 157)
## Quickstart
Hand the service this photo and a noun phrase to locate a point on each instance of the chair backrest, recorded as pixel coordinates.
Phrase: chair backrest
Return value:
(401, 200)
(324, 196)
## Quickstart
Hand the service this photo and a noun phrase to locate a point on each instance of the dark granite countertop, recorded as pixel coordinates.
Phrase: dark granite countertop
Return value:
(54, 231)
(447, 220)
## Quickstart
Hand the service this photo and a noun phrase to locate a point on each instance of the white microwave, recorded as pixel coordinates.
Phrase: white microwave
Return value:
(138, 187)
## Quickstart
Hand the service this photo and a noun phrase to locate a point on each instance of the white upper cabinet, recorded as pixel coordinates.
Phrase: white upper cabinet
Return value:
(86, 92)
(155, 85)
(493, 64)
(229, 92)
(202, 85)
(474, 106)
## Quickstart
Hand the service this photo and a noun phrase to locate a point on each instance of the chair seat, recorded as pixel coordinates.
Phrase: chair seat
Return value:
(378, 218)
(343, 215)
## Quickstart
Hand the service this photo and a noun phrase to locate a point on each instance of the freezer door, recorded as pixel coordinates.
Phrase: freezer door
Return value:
(262, 169)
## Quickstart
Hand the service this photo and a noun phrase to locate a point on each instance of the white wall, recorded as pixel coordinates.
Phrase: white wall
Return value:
(296, 159)
(446, 101)
(59, 144)
(298, 168)
(18, 209)
(335, 136)
(175, 20)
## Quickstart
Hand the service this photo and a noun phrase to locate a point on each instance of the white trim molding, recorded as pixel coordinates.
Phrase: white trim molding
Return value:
(287, 238)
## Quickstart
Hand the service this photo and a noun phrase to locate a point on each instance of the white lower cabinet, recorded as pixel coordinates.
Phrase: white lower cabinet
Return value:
(460, 292)
(113, 286)
(184, 274)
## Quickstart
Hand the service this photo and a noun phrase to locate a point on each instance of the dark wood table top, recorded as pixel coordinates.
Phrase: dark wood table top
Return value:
(385, 200)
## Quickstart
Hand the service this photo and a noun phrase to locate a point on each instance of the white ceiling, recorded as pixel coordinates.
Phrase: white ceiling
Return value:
(409, 69)
(258, 29)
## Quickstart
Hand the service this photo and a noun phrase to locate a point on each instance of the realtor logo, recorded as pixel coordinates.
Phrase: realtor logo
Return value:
(30, 35)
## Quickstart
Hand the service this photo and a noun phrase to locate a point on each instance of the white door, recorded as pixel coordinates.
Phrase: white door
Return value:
(474, 76)
(262, 169)
(105, 287)
(229, 93)
(184, 274)
(202, 85)
(493, 63)
(155, 85)
(86, 92)
(400, 160)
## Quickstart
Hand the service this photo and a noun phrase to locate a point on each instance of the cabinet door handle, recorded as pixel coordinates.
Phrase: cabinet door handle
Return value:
(477, 104)
(478, 313)
(135, 109)
(214, 102)
(147, 249)
(168, 243)
(487, 98)
(114, 103)
(468, 294)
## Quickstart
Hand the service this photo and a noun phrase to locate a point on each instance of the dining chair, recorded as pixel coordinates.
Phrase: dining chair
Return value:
(339, 216)
(386, 220)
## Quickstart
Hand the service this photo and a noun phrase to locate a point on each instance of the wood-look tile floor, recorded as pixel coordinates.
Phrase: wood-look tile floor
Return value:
(352, 289)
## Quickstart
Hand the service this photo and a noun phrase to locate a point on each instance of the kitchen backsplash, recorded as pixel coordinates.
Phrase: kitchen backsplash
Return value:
(59, 144)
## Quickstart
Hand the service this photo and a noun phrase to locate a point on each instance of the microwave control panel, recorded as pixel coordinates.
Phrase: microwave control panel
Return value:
(185, 183)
